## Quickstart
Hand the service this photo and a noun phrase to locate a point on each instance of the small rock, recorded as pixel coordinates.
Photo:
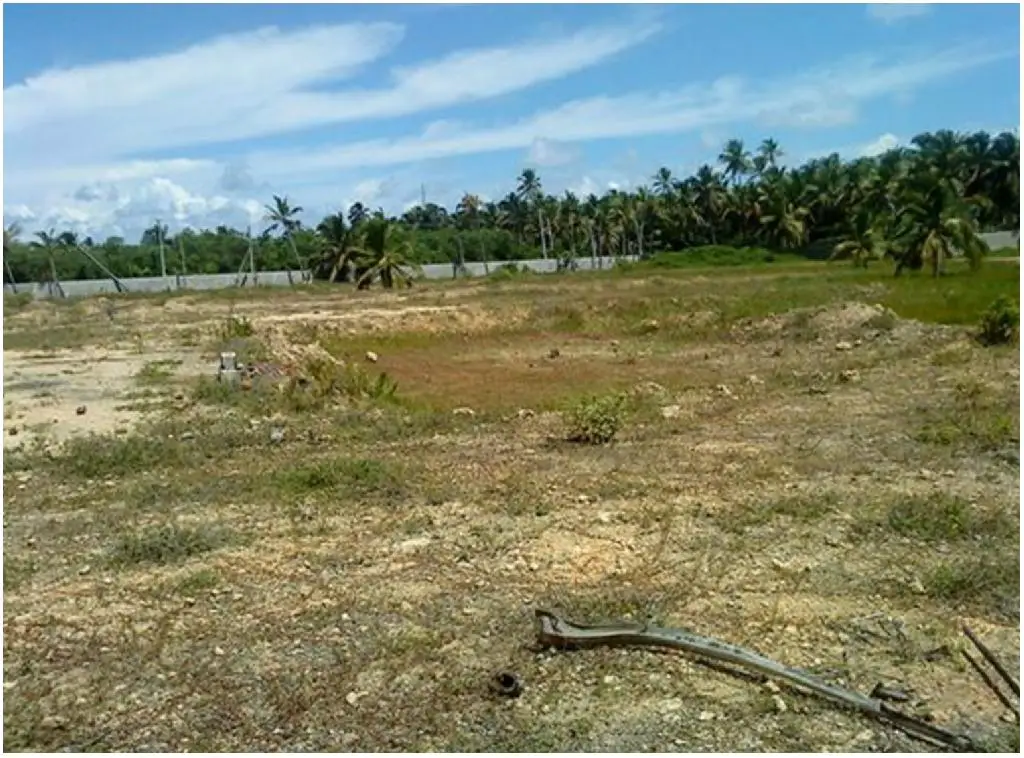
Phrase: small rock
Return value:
(772, 687)
(724, 390)
(53, 722)
(80, 410)
(706, 716)
(849, 375)
(463, 412)
(754, 379)
(917, 587)
(187, 435)
(842, 346)
(372, 357)
(218, 651)
(650, 325)
(533, 567)
(611, 679)
(833, 540)
(276, 434)
(525, 413)
(353, 697)
(780, 704)
(671, 411)
(85, 569)
(410, 545)
(553, 353)
(604, 517)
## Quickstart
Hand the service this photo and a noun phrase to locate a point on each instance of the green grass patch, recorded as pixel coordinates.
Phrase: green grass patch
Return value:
(989, 580)
(169, 543)
(973, 418)
(716, 255)
(156, 372)
(796, 508)
(354, 477)
(942, 517)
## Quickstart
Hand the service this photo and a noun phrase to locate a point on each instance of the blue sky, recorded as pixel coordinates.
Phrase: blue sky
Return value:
(116, 115)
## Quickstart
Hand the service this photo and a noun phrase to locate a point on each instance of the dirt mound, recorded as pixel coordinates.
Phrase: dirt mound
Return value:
(843, 321)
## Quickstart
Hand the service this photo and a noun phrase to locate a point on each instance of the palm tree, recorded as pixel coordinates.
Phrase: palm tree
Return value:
(337, 240)
(735, 160)
(664, 187)
(861, 242)
(934, 224)
(282, 215)
(11, 232)
(385, 253)
(49, 243)
(529, 192)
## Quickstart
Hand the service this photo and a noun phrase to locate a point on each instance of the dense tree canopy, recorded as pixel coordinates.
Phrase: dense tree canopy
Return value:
(914, 205)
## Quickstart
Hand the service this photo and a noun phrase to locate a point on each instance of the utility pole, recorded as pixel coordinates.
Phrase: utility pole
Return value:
(252, 254)
(160, 242)
(181, 255)
(423, 195)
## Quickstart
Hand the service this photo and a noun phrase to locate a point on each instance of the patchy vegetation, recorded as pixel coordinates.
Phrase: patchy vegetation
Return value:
(336, 552)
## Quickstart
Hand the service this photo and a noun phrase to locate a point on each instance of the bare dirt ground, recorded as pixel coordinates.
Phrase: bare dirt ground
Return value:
(324, 566)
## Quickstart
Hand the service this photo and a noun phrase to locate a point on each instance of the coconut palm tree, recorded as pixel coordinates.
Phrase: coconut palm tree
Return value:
(385, 253)
(282, 215)
(337, 240)
(735, 160)
(11, 232)
(49, 243)
(529, 191)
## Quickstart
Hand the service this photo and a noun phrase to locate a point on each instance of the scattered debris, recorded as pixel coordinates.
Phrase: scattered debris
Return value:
(1007, 677)
(371, 356)
(556, 632)
(506, 684)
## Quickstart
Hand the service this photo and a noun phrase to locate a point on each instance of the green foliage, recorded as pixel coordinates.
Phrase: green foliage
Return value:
(918, 206)
(235, 327)
(595, 420)
(944, 517)
(1000, 322)
(717, 255)
(351, 477)
(168, 543)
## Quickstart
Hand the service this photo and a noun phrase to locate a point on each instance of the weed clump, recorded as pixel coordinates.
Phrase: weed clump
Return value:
(1000, 322)
(169, 543)
(596, 420)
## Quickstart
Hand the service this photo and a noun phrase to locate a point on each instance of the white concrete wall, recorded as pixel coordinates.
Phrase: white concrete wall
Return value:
(85, 287)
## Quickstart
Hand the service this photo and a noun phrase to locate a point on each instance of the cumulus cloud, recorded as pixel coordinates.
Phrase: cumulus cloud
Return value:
(891, 13)
(544, 153)
(881, 145)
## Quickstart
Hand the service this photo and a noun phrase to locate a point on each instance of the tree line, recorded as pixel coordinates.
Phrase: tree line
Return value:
(914, 205)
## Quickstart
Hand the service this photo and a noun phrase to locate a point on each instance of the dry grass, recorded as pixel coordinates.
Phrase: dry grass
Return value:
(249, 570)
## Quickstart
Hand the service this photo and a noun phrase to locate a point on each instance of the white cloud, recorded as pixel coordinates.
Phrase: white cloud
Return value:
(89, 174)
(269, 82)
(883, 144)
(827, 96)
(545, 153)
(891, 13)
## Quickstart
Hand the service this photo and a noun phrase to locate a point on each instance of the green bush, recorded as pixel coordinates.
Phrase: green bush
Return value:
(1000, 322)
(596, 420)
